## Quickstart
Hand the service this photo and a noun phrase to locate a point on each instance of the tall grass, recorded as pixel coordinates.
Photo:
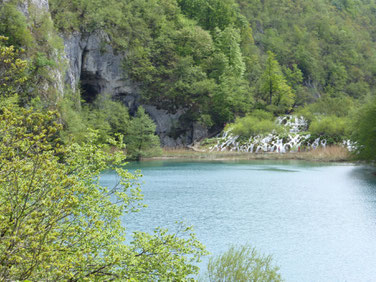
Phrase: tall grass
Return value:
(327, 154)
(330, 153)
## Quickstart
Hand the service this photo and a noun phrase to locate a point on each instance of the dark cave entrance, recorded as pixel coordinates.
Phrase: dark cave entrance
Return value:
(90, 86)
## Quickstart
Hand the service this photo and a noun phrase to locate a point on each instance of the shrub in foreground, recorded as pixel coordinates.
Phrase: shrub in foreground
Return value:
(58, 224)
(240, 264)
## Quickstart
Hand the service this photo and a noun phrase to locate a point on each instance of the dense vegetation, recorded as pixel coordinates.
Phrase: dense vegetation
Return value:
(218, 60)
(224, 61)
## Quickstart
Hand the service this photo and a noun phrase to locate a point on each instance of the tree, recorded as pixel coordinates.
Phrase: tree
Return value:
(274, 88)
(13, 70)
(364, 131)
(242, 264)
(13, 24)
(107, 116)
(228, 42)
(210, 13)
(58, 224)
(141, 140)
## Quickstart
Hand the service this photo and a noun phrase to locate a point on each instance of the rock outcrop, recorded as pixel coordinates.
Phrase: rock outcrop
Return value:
(97, 68)
(40, 5)
(95, 65)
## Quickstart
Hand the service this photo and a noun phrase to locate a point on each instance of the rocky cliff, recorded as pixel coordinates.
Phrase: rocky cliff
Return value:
(97, 68)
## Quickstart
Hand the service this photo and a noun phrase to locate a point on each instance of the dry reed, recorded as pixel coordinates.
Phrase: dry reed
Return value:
(328, 154)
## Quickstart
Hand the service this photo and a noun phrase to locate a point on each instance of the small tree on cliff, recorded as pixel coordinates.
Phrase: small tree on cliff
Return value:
(141, 140)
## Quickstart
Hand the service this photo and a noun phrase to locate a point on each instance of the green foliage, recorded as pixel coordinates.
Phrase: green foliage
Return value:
(13, 70)
(228, 42)
(210, 14)
(142, 141)
(274, 89)
(88, 15)
(217, 59)
(341, 106)
(13, 25)
(56, 221)
(42, 47)
(330, 126)
(329, 41)
(177, 63)
(108, 117)
(364, 130)
(233, 95)
(74, 122)
(241, 264)
(258, 122)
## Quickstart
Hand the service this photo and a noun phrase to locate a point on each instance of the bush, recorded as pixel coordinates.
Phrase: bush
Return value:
(109, 119)
(240, 264)
(364, 131)
(330, 127)
(259, 122)
(339, 106)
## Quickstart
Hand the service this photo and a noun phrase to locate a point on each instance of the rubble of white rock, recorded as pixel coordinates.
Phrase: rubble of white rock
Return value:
(295, 140)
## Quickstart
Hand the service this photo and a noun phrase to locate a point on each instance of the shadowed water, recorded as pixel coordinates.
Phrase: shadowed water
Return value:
(317, 220)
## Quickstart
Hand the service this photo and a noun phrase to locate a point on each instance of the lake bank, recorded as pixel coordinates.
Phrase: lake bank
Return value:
(328, 154)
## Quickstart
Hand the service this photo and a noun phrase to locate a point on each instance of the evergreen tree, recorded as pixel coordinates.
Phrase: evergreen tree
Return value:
(141, 140)
(274, 89)
(228, 42)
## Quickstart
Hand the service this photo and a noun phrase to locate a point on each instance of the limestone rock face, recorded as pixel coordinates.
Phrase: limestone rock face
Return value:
(167, 124)
(96, 66)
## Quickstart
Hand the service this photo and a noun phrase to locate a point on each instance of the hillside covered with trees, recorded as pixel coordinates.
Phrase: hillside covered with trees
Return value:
(217, 60)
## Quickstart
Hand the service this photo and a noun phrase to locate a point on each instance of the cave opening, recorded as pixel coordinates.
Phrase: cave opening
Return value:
(90, 86)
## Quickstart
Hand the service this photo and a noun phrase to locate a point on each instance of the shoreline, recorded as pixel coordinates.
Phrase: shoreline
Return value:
(328, 154)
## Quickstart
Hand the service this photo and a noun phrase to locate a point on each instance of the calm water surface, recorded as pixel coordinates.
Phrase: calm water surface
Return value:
(317, 220)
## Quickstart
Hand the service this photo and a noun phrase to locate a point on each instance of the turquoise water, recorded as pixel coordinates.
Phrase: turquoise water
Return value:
(318, 221)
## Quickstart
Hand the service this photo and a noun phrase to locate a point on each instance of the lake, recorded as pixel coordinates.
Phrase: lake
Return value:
(318, 221)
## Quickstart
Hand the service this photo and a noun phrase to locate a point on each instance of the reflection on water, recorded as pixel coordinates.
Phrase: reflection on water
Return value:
(317, 220)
